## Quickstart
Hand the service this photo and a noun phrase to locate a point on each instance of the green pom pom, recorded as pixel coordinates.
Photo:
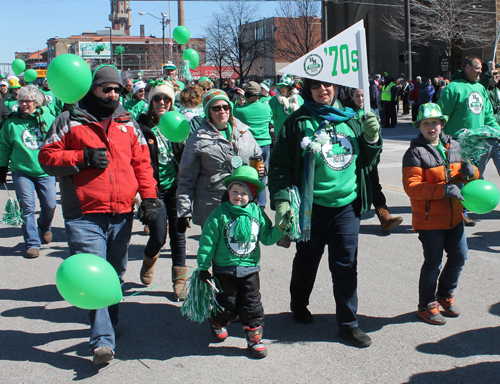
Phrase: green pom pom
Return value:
(12, 214)
(200, 302)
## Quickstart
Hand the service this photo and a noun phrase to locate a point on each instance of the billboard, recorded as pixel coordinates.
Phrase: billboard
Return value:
(86, 50)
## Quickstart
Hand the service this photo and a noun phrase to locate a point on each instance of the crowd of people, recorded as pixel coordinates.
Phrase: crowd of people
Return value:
(247, 141)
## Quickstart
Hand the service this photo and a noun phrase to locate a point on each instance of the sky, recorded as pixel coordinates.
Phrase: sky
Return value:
(27, 24)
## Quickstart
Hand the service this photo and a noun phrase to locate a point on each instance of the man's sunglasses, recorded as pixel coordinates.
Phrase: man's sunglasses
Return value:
(108, 89)
(318, 84)
(217, 108)
(158, 98)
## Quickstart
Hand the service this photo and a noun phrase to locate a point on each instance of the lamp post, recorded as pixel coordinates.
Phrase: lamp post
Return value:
(164, 22)
(110, 44)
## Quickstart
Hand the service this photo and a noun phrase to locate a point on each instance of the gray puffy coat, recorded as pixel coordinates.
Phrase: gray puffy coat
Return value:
(205, 163)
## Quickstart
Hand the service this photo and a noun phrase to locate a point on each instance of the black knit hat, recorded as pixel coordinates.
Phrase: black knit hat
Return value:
(106, 74)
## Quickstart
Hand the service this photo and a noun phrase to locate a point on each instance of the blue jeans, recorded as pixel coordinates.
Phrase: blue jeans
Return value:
(454, 243)
(492, 153)
(158, 230)
(25, 187)
(261, 198)
(106, 236)
(339, 229)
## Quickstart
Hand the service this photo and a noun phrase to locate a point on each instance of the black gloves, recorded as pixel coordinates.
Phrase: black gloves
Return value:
(95, 158)
(451, 190)
(467, 169)
(3, 174)
(205, 276)
(183, 224)
(148, 210)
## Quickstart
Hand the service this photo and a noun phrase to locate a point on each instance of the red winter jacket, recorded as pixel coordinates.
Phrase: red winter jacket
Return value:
(89, 190)
(414, 92)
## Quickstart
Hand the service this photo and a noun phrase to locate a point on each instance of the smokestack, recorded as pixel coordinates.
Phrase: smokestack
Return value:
(142, 31)
(180, 9)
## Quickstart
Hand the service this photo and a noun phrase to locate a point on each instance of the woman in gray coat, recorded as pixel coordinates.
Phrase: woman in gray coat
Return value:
(221, 144)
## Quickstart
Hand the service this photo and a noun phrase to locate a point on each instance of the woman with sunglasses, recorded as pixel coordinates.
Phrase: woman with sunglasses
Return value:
(327, 155)
(221, 144)
(21, 137)
(165, 159)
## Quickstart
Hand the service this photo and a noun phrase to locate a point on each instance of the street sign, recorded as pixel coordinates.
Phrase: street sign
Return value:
(38, 65)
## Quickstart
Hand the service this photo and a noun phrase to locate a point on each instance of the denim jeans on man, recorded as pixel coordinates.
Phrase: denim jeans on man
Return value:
(339, 229)
(261, 198)
(454, 243)
(158, 229)
(493, 152)
(25, 187)
(106, 236)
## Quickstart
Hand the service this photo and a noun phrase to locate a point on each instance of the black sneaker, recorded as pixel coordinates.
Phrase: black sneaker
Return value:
(102, 355)
(356, 336)
(301, 314)
(448, 305)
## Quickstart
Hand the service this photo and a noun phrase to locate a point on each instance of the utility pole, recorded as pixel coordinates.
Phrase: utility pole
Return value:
(408, 57)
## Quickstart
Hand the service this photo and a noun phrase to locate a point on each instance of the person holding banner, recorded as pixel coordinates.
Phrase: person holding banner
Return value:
(326, 153)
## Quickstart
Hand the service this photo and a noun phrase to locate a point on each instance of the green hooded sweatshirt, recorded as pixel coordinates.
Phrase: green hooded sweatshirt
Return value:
(466, 104)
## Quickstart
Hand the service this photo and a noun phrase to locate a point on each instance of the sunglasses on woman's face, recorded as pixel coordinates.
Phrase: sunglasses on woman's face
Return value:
(165, 99)
(108, 89)
(318, 84)
(217, 108)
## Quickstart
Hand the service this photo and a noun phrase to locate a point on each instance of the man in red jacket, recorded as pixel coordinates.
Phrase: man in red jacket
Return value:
(414, 92)
(102, 159)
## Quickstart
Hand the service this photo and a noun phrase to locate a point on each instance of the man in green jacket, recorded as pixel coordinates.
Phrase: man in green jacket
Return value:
(467, 104)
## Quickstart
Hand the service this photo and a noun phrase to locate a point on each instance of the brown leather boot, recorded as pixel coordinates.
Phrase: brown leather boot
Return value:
(386, 221)
(148, 269)
(179, 276)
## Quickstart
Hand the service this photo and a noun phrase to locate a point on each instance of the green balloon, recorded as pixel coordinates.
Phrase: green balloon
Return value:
(181, 34)
(18, 66)
(88, 281)
(481, 196)
(30, 75)
(174, 126)
(69, 78)
(193, 57)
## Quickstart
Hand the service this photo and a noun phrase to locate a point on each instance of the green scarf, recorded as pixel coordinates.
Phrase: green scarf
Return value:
(243, 228)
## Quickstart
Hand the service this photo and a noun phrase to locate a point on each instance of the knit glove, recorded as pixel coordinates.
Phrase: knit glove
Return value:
(95, 158)
(467, 169)
(371, 127)
(3, 174)
(282, 215)
(205, 276)
(183, 224)
(148, 210)
(451, 190)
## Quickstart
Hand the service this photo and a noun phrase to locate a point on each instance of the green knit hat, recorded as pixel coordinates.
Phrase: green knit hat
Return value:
(214, 95)
(430, 111)
(245, 174)
(286, 81)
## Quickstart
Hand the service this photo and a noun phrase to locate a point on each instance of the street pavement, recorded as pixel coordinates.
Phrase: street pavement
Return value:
(45, 340)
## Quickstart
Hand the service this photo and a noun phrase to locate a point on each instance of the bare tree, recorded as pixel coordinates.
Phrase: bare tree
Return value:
(452, 22)
(298, 31)
(154, 54)
(216, 44)
(245, 41)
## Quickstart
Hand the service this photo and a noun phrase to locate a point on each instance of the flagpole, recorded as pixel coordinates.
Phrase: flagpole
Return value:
(363, 67)
(496, 42)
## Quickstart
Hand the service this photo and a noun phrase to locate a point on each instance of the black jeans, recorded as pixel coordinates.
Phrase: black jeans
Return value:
(339, 229)
(390, 114)
(239, 296)
(378, 197)
(158, 230)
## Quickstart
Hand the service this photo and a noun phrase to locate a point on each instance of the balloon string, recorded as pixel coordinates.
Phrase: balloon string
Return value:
(156, 286)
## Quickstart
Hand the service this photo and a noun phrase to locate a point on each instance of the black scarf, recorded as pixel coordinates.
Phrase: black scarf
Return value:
(100, 108)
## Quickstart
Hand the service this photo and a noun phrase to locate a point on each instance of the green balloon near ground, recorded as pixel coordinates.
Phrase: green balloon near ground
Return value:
(30, 75)
(193, 57)
(18, 66)
(181, 34)
(481, 196)
(69, 78)
(88, 281)
(174, 126)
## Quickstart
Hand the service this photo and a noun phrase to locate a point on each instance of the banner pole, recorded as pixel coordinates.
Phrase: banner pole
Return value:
(363, 67)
